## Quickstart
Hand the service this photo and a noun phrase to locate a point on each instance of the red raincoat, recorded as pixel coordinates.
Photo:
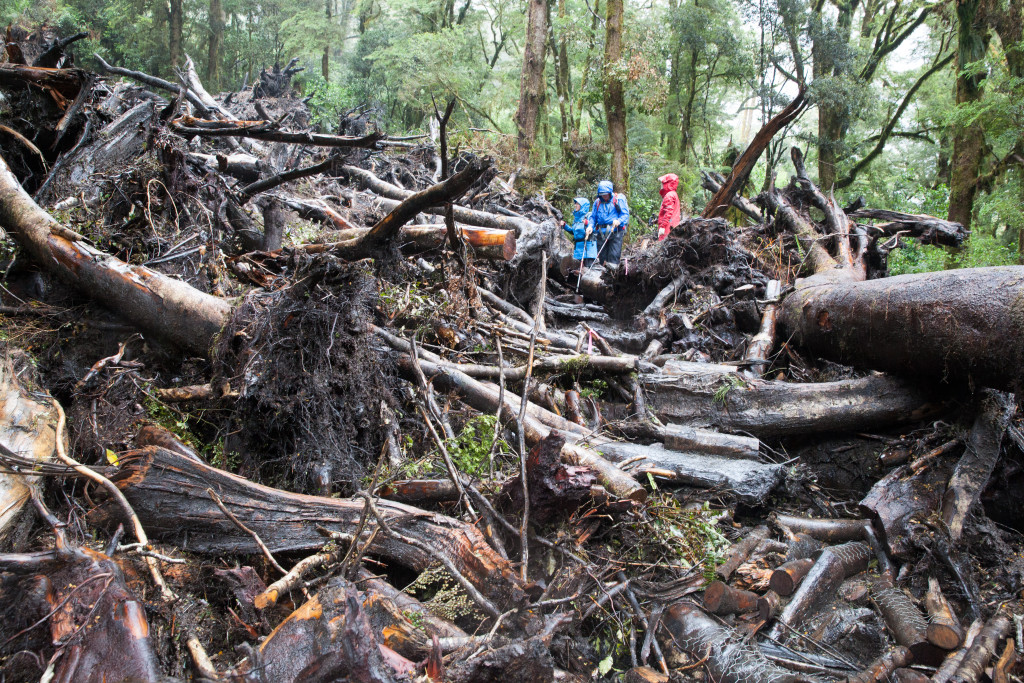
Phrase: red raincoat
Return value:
(668, 216)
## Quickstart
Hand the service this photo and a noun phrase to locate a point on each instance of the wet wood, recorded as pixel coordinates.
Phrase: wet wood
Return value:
(768, 606)
(722, 599)
(420, 491)
(787, 577)
(979, 459)
(834, 565)
(726, 655)
(28, 431)
(681, 438)
(168, 491)
(190, 126)
(882, 668)
(982, 650)
(944, 628)
(708, 395)
(825, 530)
(897, 500)
(162, 305)
(905, 622)
(739, 552)
(802, 546)
(957, 326)
(953, 660)
(486, 243)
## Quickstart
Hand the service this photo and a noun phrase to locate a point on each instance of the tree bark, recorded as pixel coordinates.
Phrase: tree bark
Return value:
(164, 306)
(955, 326)
(708, 395)
(175, 27)
(531, 83)
(217, 24)
(169, 493)
(968, 139)
(614, 95)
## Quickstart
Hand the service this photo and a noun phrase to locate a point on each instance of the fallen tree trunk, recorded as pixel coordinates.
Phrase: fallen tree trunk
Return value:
(827, 530)
(722, 599)
(391, 194)
(169, 493)
(244, 167)
(727, 656)
(787, 577)
(882, 668)
(486, 243)
(962, 325)
(164, 306)
(739, 552)
(707, 395)
(944, 628)
(190, 126)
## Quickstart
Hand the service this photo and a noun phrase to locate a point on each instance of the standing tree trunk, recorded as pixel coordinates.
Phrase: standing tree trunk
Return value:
(563, 86)
(325, 59)
(217, 24)
(175, 25)
(614, 96)
(833, 113)
(531, 84)
(968, 140)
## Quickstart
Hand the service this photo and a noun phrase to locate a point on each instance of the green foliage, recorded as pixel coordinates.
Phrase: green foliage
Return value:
(979, 251)
(327, 101)
(470, 448)
(728, 384)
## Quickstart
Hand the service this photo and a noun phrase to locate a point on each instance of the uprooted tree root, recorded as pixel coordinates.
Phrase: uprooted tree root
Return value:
(312, 379)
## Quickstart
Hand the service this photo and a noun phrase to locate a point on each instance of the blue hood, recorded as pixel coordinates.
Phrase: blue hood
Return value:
(605, 186)
(584, 209)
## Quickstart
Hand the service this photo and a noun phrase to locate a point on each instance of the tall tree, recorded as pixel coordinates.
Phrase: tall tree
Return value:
(531, 82)
(968, 136)
(325, 58)
(175, 27)
(614, 94)
(217, 24)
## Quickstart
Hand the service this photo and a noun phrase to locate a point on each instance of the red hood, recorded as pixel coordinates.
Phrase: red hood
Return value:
(669, 183)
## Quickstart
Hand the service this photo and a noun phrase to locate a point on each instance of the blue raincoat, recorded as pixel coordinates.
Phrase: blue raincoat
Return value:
(606, 212)
(580, 219)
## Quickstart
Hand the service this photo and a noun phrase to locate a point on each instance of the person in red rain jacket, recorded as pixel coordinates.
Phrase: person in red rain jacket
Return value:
(668, 216)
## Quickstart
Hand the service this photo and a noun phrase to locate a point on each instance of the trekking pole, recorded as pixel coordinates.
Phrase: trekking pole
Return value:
(584, 256)
(597, 259)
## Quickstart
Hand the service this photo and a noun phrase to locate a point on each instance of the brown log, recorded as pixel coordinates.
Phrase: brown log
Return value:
(89, 597)
(556, 489)
(1007, 660)
(787, 577)
(759, 349)
(691, 394)
(392, 194)
(953, 659)
(825, 530)
(159, 304)
(387, 229)
(944, 628)
(722, 599)
(644, 674)
(713, 181)
(984, 648)
(882, 668)
(803, 546)
(719, 204)
(190, 126)
(433, 624)
(62, 84)
(420, 491)
(833, 566)
(168, 491)
(328, 638)
(739, 552)
(906, 623)
(928, 229)
(897, 500)
(486, 243)
(963, 325)
(244, 167)
(727, 656)
(905, 675)
(768, 606)
(979, 459)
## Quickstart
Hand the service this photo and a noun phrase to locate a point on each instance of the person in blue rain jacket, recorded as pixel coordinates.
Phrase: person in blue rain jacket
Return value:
(609, 220)
(581, 231)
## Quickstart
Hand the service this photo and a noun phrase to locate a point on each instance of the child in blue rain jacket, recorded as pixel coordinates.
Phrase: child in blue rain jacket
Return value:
(582, 232)
(609, 220)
